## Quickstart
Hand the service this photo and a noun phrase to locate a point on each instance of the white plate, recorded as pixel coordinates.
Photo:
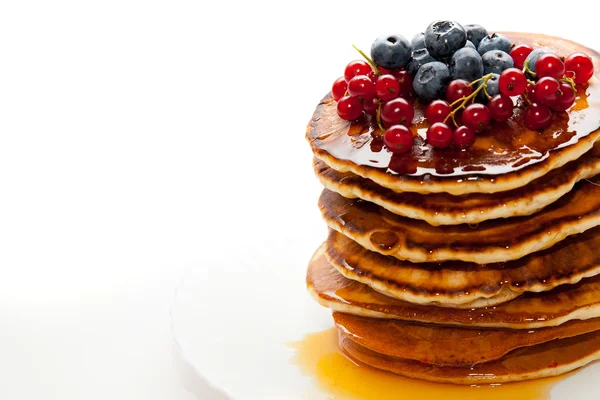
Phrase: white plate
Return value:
(235, 328)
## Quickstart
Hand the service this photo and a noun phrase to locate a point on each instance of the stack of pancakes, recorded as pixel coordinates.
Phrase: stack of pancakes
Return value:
(464, 265)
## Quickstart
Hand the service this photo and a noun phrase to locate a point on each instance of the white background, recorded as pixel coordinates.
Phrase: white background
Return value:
(139, 139)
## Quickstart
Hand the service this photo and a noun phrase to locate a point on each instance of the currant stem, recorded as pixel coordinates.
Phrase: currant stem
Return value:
(570, 81)
(527, 70)
(464, 100)
(371, 62)
(378, 117)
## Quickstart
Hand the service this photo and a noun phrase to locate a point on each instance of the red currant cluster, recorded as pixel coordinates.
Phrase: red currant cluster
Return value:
(555, 90)
(458, 118)
(366, 87)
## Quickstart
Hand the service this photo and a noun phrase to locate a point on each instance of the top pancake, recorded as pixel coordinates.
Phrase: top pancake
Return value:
(505, 157)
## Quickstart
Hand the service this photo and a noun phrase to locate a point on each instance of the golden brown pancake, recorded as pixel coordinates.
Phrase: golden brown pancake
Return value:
(544, 360)
(464, 285)
(445, 209)
(504, 157)
(445, 345)
(529, 311)
(379, 230)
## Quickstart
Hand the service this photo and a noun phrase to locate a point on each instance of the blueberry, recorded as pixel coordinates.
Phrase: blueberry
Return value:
(391, 51)
(417, 42)
(442, 38)
(466, 64)
(492, 89)
(495, 41)
(475, 33)
(430, 80)
(419, 57)
(470, 44)
(496, 61)
(533, 57)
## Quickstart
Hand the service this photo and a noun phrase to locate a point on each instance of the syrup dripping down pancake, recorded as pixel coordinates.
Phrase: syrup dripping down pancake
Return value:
(449, 346)
(505, 157)
(379, 230)
(544, 360)
(458, 284)
(529, 311)
(444, 209)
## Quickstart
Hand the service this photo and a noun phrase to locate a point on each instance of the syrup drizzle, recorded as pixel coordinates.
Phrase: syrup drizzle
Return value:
(318, 355)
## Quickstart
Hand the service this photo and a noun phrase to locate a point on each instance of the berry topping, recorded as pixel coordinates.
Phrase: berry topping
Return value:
(512, 82)
(338, 89)
(501, 107)
(356, 67)
(495, 41)
(463, 136)
(551, 65)
(362, 86)
(419, 57)
(581, 64)
(456, 89)
(477, 117)
(566, 98)
(439, 135)
(547, 90)
(398, 139)
(370, 106)
(475, 33)
(387, 87)
(519, 54)
(532, 58)
(391, 51)
(466, 64)
(406, 83)
(430, 80)
(537, 117)
(437, 111)
(417, 42)
(496, 61)
(397, 112)
(442, 38)
(349, 108)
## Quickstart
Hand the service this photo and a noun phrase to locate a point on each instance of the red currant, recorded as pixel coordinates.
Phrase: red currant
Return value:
(398, 139)
(356, 67)
(338, 90)
(387, 87)
(406, 83)
(349, 108)
(477, 117)
(361, 86)
(463, 137)
(582, 65)
(437, 111)
(512, 82)
(457, 89)
(519, 54)
(537, 116)
(547, 90)
(439, 135)
(397, 111)
(531, 92)
(551, 65)
(565, 100)
(501, 107)
(370, 105)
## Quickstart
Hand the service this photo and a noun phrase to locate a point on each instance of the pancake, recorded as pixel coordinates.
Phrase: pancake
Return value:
(529, 311)
(504, 157)
(444, 209)
(544, 360)
(458, 284)
(443, 345)
(498, 240)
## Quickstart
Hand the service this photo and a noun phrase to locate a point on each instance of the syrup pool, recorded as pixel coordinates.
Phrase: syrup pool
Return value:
(318, 355)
